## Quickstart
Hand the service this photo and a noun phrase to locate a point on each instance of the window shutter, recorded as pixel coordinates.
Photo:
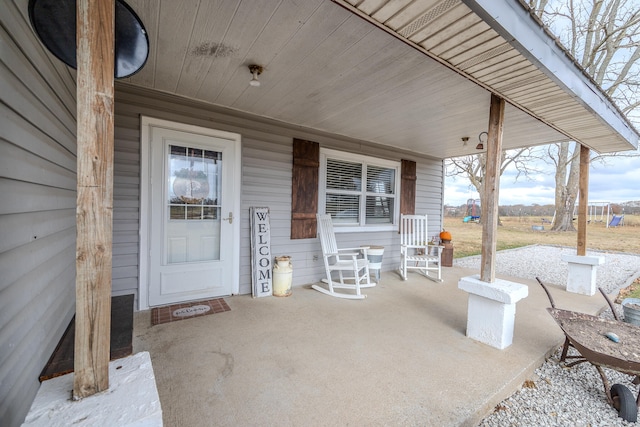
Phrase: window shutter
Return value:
(408, 187)
(304, 189)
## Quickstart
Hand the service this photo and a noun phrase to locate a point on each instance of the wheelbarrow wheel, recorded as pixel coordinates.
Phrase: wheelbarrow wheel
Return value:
(624, 402)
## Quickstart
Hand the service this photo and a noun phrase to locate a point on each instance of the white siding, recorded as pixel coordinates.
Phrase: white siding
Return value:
(37, 212)
(266, 181)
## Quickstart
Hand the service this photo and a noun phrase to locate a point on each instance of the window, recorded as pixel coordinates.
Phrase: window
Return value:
(194, 176)
(358, 191)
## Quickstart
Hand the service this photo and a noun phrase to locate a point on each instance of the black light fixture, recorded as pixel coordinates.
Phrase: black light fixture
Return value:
(480, 145)
(54, 21)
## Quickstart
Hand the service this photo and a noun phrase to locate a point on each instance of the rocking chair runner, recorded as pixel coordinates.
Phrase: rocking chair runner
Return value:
(415, 251)
(341, 260)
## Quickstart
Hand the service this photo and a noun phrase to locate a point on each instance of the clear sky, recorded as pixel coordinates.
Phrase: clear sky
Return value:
(617, 181)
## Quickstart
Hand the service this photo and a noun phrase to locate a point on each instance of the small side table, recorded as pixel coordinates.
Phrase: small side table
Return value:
(447, 255)
(374, 255)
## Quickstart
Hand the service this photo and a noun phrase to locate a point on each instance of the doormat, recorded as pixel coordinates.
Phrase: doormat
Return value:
(61, 361)
(187, 310)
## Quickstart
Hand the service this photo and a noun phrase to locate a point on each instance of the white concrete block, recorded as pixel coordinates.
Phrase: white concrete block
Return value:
(131, 401)
(581, 278)
(500, 290)
(491, 311)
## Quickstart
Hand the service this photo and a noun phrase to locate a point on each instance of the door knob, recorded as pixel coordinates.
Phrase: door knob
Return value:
(230, 218)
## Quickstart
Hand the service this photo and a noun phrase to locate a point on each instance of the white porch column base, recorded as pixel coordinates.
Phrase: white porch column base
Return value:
(582, 273)
(491, 313)
(132, 399)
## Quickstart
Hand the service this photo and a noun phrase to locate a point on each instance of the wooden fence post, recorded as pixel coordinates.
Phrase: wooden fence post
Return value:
(491, 188)
(94, 211)
(583, 200)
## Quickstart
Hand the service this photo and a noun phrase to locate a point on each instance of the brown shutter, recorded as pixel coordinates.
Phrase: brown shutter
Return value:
(408, 187)
(304, 189)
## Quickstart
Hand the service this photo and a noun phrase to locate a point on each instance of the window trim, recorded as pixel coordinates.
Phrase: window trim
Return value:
(326, 153)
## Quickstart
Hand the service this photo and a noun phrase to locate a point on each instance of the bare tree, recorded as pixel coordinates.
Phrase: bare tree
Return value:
(473, 167)
(604, 38)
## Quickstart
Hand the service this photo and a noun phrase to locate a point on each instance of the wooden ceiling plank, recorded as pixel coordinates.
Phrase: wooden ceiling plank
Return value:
(447, 38)
(344, 47)
(455, 14)
(371, 6)
(529, 93)
(514, 79)
(284, 72)
(246, 29)
(522, 91)
(418, 14)
(351, 93)
(389, 9)
(286, 24)
(148, 11)
(173, 45)
(488, 49)
(508, 64)
(206, 44)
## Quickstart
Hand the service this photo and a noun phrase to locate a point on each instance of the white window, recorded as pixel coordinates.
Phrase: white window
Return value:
(359, 192)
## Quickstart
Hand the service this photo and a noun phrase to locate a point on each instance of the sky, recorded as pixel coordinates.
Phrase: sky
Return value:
(617, 181)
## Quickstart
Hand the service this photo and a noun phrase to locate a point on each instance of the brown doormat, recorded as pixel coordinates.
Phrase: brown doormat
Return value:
(61, 361)
(187, 310)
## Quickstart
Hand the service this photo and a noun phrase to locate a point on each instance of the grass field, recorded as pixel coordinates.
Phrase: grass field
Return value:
(517, 232)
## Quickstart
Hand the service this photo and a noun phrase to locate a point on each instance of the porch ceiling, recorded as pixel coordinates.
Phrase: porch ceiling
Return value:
(415, 75)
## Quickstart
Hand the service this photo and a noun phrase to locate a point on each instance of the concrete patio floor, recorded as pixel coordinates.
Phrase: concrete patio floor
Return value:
(399, 357)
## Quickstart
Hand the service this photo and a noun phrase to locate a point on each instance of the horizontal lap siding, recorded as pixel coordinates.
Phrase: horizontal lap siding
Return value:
(266, 182)
(429, 196)
(126, 204)
(37, 213)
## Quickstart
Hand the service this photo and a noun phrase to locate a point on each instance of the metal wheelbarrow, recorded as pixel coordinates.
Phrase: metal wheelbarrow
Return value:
(605, 344)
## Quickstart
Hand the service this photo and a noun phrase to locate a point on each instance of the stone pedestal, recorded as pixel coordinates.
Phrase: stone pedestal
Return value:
(492, 309)
(582, 273)
(131, 401)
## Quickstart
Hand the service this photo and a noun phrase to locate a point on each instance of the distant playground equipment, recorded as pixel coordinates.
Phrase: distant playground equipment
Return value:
(473, 211)
(616, 220)
(600, 212)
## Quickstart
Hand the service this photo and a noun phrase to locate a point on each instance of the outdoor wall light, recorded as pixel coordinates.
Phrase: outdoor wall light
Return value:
(480, 145)
(256, 70)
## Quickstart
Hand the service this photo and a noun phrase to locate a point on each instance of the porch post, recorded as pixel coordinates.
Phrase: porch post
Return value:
(491, 311)
(583, 201)
(581, 277)
(491, 186)
(95, 59)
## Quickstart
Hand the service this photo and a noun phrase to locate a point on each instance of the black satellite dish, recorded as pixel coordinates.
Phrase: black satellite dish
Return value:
(55, 24)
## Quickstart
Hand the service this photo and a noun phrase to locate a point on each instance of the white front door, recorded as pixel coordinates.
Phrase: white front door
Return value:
(192, 212)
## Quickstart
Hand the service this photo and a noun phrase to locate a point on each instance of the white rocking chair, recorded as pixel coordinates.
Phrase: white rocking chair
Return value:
(415, 251)
(342, 260)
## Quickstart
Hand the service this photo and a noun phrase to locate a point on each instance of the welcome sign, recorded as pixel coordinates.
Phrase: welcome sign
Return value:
(261, 279)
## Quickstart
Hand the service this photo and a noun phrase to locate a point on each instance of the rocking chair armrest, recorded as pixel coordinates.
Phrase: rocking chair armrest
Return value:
(415, 246)
(353, 249)
(351, 254)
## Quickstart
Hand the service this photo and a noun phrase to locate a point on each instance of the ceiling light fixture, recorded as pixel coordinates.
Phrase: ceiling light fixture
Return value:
(480, 145)
(256, 70)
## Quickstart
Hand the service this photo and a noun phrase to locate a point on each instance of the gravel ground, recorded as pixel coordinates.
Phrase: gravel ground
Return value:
(561, 396)
(617, 272)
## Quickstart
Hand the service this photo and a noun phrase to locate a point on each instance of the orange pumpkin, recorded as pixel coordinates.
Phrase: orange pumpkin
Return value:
(445, 236)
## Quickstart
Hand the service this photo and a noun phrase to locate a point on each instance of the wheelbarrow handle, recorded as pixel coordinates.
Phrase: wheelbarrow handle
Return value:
(553, 304)
(615, 316)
